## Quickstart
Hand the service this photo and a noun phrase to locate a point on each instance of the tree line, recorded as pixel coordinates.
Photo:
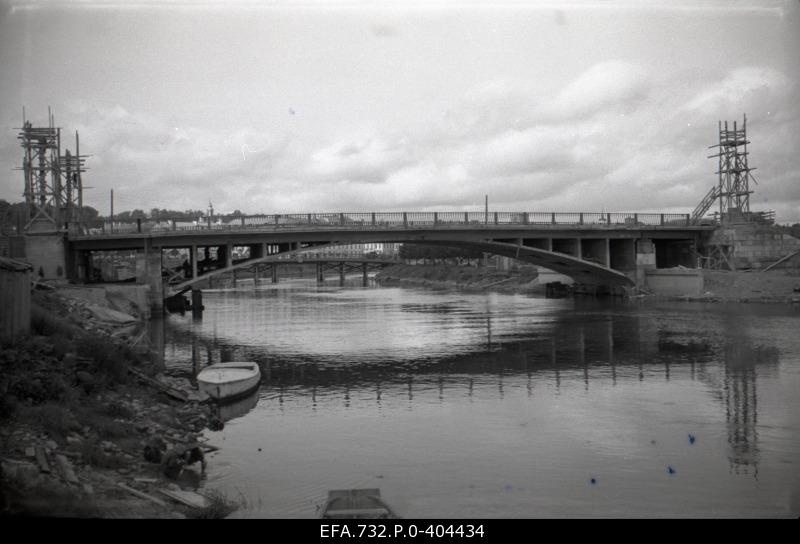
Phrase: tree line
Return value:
(436, 254)
(14, 215)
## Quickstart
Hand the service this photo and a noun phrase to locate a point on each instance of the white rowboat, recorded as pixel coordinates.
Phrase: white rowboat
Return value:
(224, 381)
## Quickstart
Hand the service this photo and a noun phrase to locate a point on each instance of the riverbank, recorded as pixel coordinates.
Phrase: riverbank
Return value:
(90, 426)
(774, 286)
(468, 278)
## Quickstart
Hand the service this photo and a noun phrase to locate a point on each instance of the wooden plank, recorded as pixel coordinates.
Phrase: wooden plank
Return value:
(189, 498)
(142, 495)
(171, 391)
(779, 261)
(41, 460)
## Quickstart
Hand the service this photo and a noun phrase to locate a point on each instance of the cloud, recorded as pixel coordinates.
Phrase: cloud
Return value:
(367, 160)
(610, 85)
(745, 88)
(617, 136)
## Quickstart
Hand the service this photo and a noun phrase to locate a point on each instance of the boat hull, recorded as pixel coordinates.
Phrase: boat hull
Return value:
(228, 381)
(356, 504)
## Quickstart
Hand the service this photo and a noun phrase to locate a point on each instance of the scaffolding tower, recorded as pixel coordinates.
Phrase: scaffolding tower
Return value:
(53, 183)
(733, 190)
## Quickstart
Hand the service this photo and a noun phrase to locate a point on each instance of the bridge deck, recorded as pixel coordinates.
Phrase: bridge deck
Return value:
(391, 221)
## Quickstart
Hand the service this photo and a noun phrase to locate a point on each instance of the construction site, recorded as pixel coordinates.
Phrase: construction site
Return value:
(722, 239)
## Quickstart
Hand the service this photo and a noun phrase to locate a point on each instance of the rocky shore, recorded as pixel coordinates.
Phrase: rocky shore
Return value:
(91, 427)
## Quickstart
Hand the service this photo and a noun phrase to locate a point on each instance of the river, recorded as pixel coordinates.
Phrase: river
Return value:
(484, 405)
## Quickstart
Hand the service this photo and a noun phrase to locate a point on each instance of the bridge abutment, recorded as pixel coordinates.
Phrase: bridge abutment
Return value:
(47, 253)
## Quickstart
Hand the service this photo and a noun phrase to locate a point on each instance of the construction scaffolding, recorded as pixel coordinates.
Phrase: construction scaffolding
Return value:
(733, 190)
(53, 183)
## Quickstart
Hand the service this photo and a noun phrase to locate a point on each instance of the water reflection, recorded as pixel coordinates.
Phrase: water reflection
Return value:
(231, 410)
(743, 362)
(495, 350)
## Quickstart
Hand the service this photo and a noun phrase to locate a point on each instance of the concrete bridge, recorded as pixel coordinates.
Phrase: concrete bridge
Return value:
(612, 249)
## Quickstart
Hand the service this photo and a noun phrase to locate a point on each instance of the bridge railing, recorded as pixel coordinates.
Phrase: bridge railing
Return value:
(378, 221)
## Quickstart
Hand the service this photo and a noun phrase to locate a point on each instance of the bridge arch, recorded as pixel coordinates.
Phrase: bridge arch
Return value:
(582, 271)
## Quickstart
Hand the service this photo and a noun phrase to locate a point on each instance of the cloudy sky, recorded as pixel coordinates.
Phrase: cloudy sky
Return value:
(308, 106)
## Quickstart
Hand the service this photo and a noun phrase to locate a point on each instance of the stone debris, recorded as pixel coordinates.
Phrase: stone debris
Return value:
(100, 445)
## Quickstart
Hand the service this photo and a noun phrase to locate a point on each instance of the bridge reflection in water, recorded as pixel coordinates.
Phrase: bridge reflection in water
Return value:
(594, 350)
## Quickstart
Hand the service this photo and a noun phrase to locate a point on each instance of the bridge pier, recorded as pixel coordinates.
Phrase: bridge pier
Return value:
(341, 273)
(320, 273)
(645, 260)
(197, 304)
(274, 269)
(148, 272)
(193, 256)
(567, 246)
(365, 277)
(595, 249)
(622, 256)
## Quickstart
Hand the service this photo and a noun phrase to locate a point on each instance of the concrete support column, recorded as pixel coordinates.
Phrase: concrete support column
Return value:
(274, 268)
(152, 276)
(365, 277)
(645, 260)
(197, 303)
(607, 257)
(578, 248)
(77, 266)
(227, 257)
(193, 256)
(549, 245)
(341, 272)
(320, 273)
(256, 251)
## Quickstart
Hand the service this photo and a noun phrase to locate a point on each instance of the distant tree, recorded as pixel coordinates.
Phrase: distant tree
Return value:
(89, 214)
(438, 254)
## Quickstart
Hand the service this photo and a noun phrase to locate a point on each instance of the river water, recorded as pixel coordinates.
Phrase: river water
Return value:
(481, 405)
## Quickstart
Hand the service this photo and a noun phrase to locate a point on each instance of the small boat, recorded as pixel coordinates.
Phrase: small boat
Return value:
(226, 381)
(355, 504)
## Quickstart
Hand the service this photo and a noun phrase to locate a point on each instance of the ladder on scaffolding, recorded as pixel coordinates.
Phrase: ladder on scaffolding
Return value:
(705, 204)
